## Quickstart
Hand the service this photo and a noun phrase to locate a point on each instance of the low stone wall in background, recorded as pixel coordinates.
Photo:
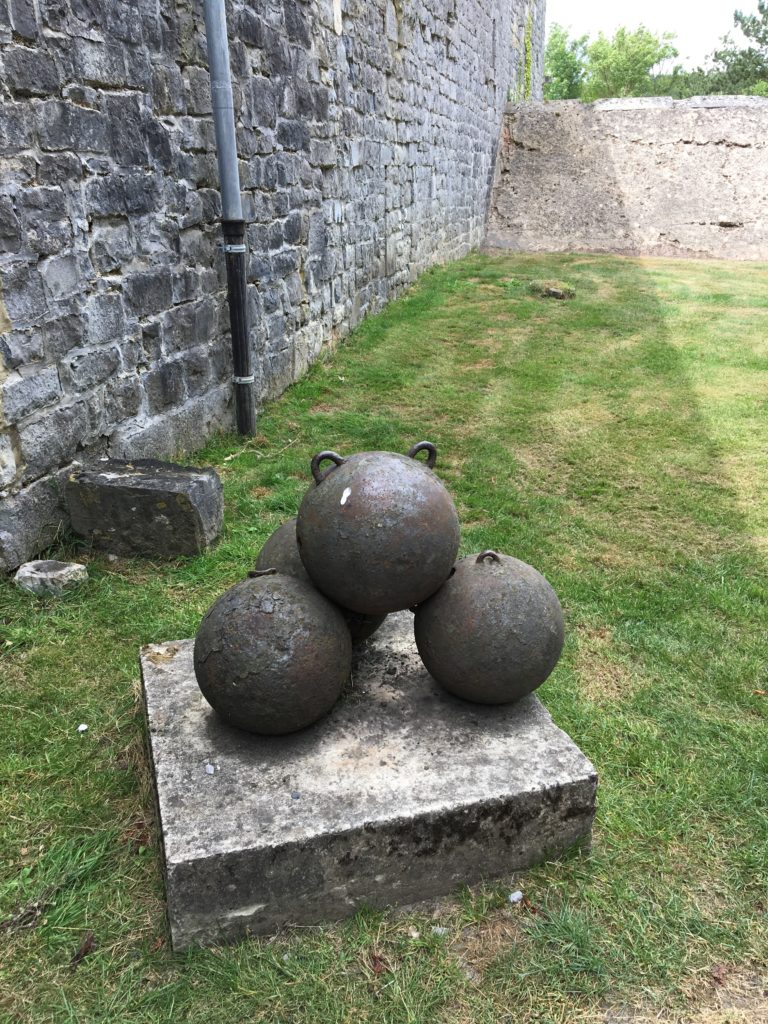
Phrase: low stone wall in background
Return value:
(659, 177)
(367, 133)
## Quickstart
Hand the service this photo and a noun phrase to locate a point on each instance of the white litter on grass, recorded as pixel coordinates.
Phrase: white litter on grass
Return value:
(345, 495)
(82, 727)
(439, 930)
(210, 769)
(515, 897)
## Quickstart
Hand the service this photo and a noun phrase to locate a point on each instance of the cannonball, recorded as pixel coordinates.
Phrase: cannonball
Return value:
(378, 531)
(272, 655)
(493, 632)
(281, 552)
(361, 626)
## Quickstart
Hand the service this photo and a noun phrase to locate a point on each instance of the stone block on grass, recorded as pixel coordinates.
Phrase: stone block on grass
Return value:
(49, 576)
(402, 793)
(146, 507)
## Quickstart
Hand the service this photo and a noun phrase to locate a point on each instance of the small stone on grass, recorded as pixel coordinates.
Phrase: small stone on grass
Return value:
(552, 290)
(47, 576)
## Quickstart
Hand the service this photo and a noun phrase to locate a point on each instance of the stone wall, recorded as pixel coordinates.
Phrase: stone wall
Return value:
(657, 176)
(367, 134)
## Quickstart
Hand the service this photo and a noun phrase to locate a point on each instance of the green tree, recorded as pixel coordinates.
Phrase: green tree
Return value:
(622, 66)
(733, 70)
(754, 26)
(744, 70)
(565, 63)
(628, 64)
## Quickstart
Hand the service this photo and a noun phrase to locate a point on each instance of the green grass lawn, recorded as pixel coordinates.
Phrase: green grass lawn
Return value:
(618, 441)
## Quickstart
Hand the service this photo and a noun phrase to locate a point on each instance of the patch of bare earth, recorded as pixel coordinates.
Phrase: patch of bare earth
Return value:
(621, 344)
(600, 677)
(323, 407)
(542, 468)
(477, 946)
(579, 419)
(730, 386)
(725, 997)
(613, 556)
(489, 287)
(491, 341)
(748, 473)
(747, 311)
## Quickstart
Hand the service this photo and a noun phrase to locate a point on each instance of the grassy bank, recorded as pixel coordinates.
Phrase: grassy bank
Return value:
(618, 441)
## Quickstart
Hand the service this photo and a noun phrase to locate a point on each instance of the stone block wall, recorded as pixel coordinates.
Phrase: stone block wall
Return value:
(367, 132)
(641, 176)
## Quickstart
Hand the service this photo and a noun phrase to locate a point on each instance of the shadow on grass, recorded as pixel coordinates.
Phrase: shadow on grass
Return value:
(620, 496)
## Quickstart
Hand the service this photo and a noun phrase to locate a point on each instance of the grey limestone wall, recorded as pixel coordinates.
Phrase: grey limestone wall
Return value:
(367, 135)
(647, 176)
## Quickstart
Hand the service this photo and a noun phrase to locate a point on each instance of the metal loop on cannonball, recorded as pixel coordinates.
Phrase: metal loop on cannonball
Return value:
(254, 574)
(487, 554)
(424, 446)
(334, 457)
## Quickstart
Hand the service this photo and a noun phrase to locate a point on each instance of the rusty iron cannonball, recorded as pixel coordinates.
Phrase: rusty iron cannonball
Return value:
(378, 531)
(493, 632)
(281, 552)
(272, 655)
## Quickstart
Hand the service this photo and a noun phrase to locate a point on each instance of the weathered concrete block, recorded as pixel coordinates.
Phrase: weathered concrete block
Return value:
(146, 507)
(402, 793)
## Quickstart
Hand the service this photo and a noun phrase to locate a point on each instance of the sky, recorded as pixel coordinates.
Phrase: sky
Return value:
(698, 24)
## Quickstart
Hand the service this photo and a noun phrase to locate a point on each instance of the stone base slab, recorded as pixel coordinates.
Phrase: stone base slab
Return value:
(401, 794)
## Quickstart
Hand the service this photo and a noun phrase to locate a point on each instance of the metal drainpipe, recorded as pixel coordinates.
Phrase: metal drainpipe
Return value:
(232, 223)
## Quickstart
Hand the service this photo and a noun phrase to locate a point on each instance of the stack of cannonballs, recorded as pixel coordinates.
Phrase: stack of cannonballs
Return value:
(377, 532)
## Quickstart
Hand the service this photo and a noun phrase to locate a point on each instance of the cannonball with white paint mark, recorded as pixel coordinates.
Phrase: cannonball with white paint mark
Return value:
(378, 531)
(494, 632)
(272, 655)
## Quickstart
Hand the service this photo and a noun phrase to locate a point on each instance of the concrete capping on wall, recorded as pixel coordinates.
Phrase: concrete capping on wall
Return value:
(367, 136)
(648, 176)
(667, 102)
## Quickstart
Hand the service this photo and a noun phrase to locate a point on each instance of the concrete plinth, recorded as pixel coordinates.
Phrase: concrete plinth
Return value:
(402, 793)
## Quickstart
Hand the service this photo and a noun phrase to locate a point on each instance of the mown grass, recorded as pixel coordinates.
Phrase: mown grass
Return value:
(617, 441)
